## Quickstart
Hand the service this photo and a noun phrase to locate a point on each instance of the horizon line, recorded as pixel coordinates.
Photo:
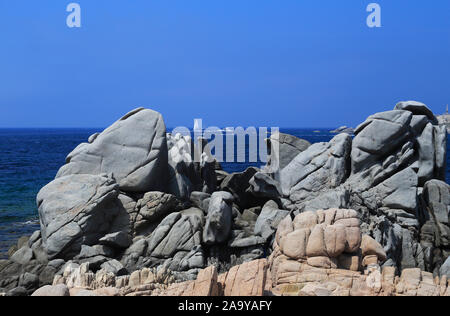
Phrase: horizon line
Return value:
(171, 128)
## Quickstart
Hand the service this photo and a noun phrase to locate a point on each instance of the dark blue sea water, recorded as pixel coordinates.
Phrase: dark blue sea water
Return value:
(30, 158)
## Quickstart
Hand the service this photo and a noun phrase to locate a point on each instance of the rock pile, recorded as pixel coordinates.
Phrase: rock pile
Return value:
(315, 254)
(386, 173)
(134, 200)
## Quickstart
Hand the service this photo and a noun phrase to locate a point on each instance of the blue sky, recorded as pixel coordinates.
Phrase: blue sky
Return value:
(286, 63)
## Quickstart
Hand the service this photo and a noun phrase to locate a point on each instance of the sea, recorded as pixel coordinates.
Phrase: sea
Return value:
(30, 158)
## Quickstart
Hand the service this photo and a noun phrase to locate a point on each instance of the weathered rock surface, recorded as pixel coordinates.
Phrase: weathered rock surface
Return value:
(321, 167)
(284, 148)
(76, 210)
(268, 220)
(139, 139)
(264, 186)
(190, 167)
(151, 209)
(219, 218)
(179, 231)
(377, 136)
(205, 285)
(248, 279)
(175, 243)
(435, 231)
(322, 254)
(394, 154)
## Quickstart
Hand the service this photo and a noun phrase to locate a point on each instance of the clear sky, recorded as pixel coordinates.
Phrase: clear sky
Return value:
(288, 63)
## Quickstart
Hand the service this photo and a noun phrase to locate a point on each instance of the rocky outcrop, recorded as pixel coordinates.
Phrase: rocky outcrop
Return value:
(219, 218)
(323, 254)
(321, 167)
(139, 138)
(389, 171)
(80, 281)
(248, 279)
(28, 267)
(174, 243)
(284, 148)
(382, 174)
(205, 285)
(252, 279)
(177, 232)
(76, 210)
(361, 216)
(435, 232)
(268, 220)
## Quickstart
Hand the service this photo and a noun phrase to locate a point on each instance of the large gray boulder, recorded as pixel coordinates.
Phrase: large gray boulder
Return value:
(378, 136)
(436, 195)
(432, 149)
(396, 192)
(417, 108)
(133, 258)
(200, 200)
(435, 231)
(389, 141)
(264, 186)
(185, 261)
(284, 148)
(219, 218)
(22, 256)
(133, 149)
(124, 220)
(76, 210)
(320, 167)
(113, 266)
(445, 268)
(180, 231)
(440, 158)
(117, 240)
(152, 208)
(268, 220)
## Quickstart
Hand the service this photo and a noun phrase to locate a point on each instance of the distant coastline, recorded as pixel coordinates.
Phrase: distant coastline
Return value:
(444, 119)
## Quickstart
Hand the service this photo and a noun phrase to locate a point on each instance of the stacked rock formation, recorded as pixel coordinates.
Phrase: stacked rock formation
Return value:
(386, 173)
(133, 200)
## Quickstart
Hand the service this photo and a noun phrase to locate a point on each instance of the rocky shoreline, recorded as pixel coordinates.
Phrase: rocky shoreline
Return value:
(132, 213)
